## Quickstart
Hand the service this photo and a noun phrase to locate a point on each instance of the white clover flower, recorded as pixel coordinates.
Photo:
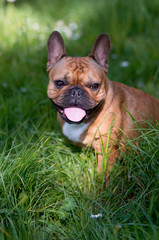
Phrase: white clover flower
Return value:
(5, 85)
(23, 90)
(67, 32)
(76, 36)
(10, 0)
(36, 26)
(96, 216)
(60, 23)
(124, 64)
(70, 31)
(73, 26)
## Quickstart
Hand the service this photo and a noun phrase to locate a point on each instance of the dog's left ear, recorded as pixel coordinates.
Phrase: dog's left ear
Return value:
(56, 49)
(100, 51)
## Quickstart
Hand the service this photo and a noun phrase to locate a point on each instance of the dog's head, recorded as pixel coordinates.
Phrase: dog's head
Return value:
(77, 85)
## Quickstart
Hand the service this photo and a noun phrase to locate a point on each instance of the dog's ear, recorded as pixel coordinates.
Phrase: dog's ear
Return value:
(56, 49)
(101, 49)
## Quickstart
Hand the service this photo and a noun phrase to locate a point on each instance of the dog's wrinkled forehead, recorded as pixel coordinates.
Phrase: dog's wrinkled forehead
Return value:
(77, 66)
(77, 70)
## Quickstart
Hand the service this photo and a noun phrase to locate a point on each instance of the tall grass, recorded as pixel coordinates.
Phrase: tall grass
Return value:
(48, 188)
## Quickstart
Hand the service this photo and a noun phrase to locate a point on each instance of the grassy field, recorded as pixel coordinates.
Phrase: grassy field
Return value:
(48, 188)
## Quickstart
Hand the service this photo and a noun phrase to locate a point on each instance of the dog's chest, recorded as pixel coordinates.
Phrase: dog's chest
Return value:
(74, 131)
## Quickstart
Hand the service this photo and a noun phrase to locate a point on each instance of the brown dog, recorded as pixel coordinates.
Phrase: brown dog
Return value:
(91, 108)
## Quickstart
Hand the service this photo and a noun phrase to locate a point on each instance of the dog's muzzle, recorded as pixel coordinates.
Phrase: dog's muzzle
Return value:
(76, 114)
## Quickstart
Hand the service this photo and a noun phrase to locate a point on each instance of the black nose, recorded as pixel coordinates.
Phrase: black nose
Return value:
(76, 92)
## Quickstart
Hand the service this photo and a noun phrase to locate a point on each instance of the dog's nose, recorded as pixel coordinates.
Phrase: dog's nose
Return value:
(76, 92)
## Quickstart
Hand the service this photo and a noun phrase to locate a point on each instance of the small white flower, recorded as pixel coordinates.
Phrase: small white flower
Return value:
(36, 26)
(124, 64)
(60, 23)
(96, 216)
(5, 85)
(76, 36)
(10, 0)
(23, 90)
(67, 32)
(73, 26)
(70, 31)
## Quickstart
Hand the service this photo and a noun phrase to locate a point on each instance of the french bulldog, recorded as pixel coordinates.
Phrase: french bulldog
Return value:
(92, 110)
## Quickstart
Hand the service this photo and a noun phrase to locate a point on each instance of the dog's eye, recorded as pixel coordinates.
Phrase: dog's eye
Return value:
(59, 83)
(95, 86)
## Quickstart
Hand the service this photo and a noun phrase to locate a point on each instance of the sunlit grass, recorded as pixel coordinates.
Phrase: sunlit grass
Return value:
(49, 188)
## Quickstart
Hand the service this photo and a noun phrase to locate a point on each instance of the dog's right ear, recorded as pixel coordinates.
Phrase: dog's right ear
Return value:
(56, 49)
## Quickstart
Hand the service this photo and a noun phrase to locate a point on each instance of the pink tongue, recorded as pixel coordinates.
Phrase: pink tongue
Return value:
(74, 114)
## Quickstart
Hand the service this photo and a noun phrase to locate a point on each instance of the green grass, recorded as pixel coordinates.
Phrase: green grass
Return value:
(49, 188)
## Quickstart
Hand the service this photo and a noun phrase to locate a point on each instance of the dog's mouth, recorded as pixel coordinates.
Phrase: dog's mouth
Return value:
(75, 114)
